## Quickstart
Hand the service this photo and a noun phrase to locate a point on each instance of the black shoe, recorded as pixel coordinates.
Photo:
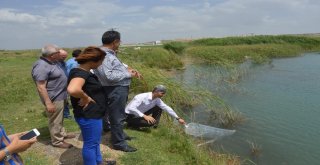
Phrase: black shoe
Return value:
(108, 162)
(106, 129)
(129, 138)
(125, 149)
(111, 162)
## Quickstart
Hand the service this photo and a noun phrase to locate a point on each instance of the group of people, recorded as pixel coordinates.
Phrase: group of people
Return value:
(98, 85)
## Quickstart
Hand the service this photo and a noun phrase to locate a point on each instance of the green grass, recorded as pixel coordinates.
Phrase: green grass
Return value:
(34, 158)
(21, 108)
(168, 145)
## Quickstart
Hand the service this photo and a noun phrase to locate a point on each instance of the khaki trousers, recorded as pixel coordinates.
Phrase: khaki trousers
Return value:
(55, 123)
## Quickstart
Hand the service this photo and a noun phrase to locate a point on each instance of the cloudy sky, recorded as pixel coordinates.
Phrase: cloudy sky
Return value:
(27, 24)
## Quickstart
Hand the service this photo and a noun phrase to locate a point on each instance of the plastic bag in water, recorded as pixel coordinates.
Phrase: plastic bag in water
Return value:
(208, 132)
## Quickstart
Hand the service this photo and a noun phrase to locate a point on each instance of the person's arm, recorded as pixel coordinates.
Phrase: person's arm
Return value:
(17, 145)
(41, 86)
(165, 107)
(114, 70)
(132, 107)
(75, 90)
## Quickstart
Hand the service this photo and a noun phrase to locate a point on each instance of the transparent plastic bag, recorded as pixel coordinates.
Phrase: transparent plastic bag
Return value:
(208, 132)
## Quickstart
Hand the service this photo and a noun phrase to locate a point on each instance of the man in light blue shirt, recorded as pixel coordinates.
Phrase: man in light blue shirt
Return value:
(72, 63)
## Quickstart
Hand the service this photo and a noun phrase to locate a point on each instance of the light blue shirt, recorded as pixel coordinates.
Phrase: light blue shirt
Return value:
(71, 63)
(112, 72)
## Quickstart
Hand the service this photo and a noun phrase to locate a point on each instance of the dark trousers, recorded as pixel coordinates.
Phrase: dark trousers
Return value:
(134, 121)
(117, 97)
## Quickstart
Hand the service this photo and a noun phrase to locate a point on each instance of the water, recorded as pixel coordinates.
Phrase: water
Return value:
(281, 101)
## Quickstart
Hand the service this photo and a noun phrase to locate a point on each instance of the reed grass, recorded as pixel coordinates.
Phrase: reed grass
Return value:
(306, 42)
(228, 55)
(255, 148)
(156, 57)
(176, 47)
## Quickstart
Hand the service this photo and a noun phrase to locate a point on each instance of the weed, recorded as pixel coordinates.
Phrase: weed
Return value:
(255, 148)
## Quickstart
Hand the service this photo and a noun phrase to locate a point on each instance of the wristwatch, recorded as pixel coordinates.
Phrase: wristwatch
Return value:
(7, 157)
(178, 118)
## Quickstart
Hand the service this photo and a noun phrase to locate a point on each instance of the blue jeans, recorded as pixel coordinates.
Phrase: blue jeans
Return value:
(91, 130)
(66, 111)
(117, 97)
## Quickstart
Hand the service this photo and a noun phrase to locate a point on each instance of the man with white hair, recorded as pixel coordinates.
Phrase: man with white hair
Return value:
(145, 104)
(51, 82)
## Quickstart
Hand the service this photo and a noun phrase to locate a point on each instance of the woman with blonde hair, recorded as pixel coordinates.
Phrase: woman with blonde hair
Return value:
(88, 102)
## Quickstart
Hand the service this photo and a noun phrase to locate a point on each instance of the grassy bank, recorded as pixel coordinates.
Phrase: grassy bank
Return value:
(21, 110)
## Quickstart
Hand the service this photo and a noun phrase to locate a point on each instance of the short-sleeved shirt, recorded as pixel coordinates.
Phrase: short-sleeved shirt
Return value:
(4, 142)
(44, 70)
(71, 63)
(93, 88)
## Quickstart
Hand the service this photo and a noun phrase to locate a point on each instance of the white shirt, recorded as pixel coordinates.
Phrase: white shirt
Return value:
(143, 102)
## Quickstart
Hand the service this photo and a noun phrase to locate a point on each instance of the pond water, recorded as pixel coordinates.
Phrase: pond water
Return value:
(280, 101)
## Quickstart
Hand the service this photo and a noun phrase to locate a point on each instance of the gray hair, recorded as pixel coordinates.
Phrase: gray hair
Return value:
(159, 88)
(48, 50)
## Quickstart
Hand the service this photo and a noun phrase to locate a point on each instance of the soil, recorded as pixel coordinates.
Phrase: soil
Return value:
(73, 156)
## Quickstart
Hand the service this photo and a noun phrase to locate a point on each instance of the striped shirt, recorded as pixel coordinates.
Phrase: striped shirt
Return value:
(4, 142)
(112, 71)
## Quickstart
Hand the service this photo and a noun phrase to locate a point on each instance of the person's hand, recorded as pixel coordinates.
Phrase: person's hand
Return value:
(138, 74)
(12, 136)
(149, 119)
(181, 121)
(50, 107)
(17, 145)
(132, 72)
(85, 101)
(135, 73)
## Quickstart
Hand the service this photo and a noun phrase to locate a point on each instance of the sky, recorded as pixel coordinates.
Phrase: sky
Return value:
(31, 24)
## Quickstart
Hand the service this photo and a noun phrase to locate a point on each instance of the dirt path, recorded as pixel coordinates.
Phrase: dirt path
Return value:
(73, 155)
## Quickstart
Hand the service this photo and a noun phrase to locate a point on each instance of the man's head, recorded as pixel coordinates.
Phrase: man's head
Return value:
(111, 39)
(63, 55)
(159, 91)
(50, 52)
(76, 53)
